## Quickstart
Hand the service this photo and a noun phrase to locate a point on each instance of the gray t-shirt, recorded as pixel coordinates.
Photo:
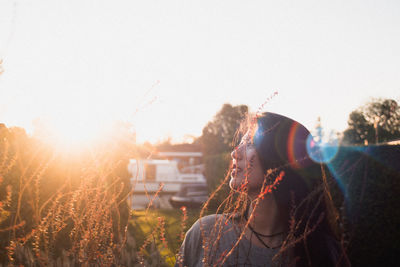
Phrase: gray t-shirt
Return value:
(211, 238)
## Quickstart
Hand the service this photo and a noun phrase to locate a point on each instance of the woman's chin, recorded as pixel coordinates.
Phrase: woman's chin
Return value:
(232, 183)
(236, 184)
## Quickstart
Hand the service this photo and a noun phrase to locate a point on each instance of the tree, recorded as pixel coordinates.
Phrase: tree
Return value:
(378, 121)
(216, 142)
(218, 134)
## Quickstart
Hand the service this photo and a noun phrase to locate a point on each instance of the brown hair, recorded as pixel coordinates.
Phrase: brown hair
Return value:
(284, 145)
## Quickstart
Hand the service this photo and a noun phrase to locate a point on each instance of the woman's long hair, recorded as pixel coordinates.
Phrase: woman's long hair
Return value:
(300, 187)
(284, 145)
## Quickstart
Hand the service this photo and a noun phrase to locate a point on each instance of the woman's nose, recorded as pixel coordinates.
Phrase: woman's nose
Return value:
(235, 154)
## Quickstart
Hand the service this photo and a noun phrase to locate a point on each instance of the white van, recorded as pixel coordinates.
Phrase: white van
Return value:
(147, 176)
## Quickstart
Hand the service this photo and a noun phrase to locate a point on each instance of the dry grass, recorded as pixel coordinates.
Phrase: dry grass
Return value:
(68, 210)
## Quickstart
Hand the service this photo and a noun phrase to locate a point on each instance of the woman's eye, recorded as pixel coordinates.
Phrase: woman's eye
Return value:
(250, 145)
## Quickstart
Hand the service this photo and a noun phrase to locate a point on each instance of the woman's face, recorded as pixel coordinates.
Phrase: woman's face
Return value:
(247, 172)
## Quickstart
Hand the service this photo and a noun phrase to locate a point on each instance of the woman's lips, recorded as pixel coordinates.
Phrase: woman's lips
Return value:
(235, 170)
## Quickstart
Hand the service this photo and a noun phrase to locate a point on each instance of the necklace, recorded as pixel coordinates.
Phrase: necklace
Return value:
(259, 238)
(259, 235)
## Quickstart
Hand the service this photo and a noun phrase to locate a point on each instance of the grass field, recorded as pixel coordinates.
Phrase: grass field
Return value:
(161, 230)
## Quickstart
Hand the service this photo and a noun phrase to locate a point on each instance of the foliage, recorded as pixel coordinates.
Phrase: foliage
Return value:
(144, 225)
(370, 179)
(70, 209)
(215, 171)
(378, 121)
(63, 208)
(216, 167)
(216, 141)
(219, 133)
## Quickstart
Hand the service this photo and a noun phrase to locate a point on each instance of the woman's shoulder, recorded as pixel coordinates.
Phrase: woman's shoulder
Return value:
(202, 233)
(213, 223)
(206, 223)
(201, 229)
(212, 218)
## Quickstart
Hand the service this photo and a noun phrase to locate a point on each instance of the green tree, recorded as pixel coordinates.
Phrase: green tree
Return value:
(216, 142)
(218, 134)
(378, 121)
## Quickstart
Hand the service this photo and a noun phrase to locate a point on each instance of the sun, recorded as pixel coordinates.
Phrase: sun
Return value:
(75, 131)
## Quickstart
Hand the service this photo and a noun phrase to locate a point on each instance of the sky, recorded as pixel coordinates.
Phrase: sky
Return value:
(167, 67)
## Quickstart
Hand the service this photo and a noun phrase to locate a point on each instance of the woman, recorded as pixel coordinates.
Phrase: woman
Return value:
(280, 214)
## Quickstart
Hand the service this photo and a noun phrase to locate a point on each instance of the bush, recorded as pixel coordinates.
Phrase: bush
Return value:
(370, 178)
(216, 172)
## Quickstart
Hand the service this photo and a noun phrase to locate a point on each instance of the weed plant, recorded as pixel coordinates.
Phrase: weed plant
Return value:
(63, 209)
(60, 209)
(71, 209)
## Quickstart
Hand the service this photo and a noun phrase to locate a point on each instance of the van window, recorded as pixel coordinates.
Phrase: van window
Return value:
(150, 170)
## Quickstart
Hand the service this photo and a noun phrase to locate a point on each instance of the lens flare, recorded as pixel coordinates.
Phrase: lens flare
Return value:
(339, 180)
(322, 152)
(291, 146)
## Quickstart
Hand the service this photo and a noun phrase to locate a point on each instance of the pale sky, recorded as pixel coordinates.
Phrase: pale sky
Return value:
(168, 66)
